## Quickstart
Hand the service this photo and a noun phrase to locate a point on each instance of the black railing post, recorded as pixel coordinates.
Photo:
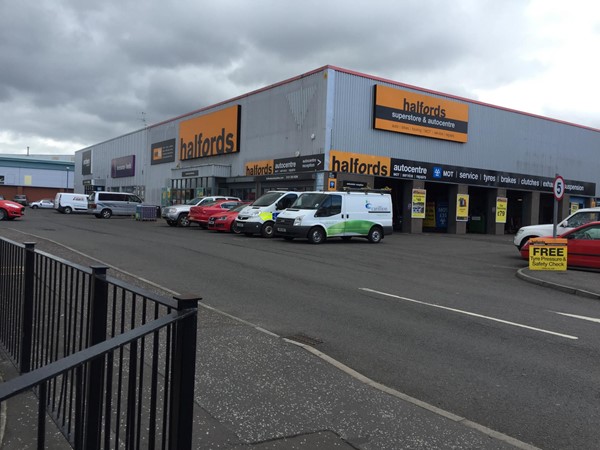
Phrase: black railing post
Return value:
(95, 371)
(27, 309)
(184, 373)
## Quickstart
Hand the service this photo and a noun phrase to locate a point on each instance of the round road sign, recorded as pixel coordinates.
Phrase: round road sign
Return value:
(558, 188)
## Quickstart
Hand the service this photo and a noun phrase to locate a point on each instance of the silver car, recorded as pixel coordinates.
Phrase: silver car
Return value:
(107, 204)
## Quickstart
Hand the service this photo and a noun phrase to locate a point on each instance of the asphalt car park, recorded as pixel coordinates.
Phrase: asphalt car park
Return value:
(441, 318)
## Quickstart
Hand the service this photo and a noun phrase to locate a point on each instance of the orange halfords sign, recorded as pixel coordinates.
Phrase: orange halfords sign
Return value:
(258, 168)
(361, 164)
(407, 112)
(213, 134)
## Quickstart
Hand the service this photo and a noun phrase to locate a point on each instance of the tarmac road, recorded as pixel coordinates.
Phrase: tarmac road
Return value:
(438, 317)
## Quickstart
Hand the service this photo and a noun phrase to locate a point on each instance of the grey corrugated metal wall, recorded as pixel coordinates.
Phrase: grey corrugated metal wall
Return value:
(498, 139)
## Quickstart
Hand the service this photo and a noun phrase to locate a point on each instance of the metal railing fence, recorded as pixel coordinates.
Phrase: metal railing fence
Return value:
(112, 364)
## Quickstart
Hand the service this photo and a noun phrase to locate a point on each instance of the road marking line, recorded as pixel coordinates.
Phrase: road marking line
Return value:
(566, 336)
(591, 319)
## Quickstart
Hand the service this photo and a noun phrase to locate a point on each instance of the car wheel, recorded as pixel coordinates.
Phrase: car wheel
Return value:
(375, 235)
(106, 213)
(524, 241)
(2, 214)
(68, 210)
(316, 235)
(234, 228)
(34, 207)
(183, 220)
(267, 230)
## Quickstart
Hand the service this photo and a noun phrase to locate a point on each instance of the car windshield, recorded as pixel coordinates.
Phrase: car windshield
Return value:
(309, 201)
(194, 201)
(239, 207)
(267, 199)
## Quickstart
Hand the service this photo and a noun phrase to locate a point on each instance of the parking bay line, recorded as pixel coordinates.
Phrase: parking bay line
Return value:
(575, 316)
(468, 313)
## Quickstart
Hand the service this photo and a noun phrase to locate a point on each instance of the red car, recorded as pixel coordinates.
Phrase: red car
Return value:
(583, 246)
(10, 210)
(226, 220)
(201, 214)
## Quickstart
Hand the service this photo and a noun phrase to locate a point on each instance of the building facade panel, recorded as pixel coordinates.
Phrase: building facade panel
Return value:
(310, 132)
(498, 139)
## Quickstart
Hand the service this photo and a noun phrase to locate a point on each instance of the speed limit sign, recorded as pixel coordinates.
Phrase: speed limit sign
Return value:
(559, 188)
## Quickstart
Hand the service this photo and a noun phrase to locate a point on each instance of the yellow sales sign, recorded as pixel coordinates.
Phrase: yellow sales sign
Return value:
(418, 203)
(548, 254)
(501, 209)
(462, 207)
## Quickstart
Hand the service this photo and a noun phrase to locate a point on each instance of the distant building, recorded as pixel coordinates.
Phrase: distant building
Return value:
(38, 177)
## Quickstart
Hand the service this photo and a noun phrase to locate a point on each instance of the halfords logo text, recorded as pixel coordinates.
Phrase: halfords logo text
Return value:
(202, 145)
(422, 108)
(213, 134)
(355, 165)
(259, 168)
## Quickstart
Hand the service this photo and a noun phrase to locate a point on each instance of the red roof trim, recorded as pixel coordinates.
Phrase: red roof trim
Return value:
(378, 79)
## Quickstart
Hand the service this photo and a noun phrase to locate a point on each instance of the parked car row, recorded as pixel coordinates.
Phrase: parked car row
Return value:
(202, 213)
(177, 215)
(315, 216)
(583, 246)
(582, 231)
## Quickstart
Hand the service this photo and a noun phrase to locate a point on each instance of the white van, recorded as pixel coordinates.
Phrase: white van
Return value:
(107, 204)
(259, 217)
(317, 216)
(67, 202)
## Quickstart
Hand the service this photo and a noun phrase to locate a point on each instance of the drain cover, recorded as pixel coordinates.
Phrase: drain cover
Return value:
(304, 339)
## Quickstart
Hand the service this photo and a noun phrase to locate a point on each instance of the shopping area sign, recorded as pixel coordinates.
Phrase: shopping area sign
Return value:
(362, 164)
(283, 166)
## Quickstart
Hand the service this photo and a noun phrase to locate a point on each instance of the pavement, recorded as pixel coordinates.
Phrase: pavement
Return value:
(257, 390)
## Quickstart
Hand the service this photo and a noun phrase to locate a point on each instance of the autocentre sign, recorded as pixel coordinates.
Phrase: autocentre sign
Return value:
(415, 170)
(284, 166)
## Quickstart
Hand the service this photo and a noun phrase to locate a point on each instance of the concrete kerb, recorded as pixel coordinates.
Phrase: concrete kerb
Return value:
(560, 287)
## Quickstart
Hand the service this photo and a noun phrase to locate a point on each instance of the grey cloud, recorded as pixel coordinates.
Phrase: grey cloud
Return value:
(85, 71)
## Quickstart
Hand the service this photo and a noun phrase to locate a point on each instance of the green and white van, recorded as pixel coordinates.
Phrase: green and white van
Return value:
(317, 216)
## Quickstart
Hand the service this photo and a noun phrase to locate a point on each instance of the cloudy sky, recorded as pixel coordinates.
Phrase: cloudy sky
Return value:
(75, 72)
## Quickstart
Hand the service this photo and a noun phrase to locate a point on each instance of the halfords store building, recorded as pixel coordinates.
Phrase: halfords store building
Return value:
(452, 165)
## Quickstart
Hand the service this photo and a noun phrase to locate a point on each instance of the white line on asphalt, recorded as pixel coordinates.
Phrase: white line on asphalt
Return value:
(566, 336)
(591, 319)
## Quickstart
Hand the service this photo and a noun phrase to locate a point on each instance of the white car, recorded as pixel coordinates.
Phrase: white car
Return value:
(178, 214)
(44, 203)
(580, 217)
